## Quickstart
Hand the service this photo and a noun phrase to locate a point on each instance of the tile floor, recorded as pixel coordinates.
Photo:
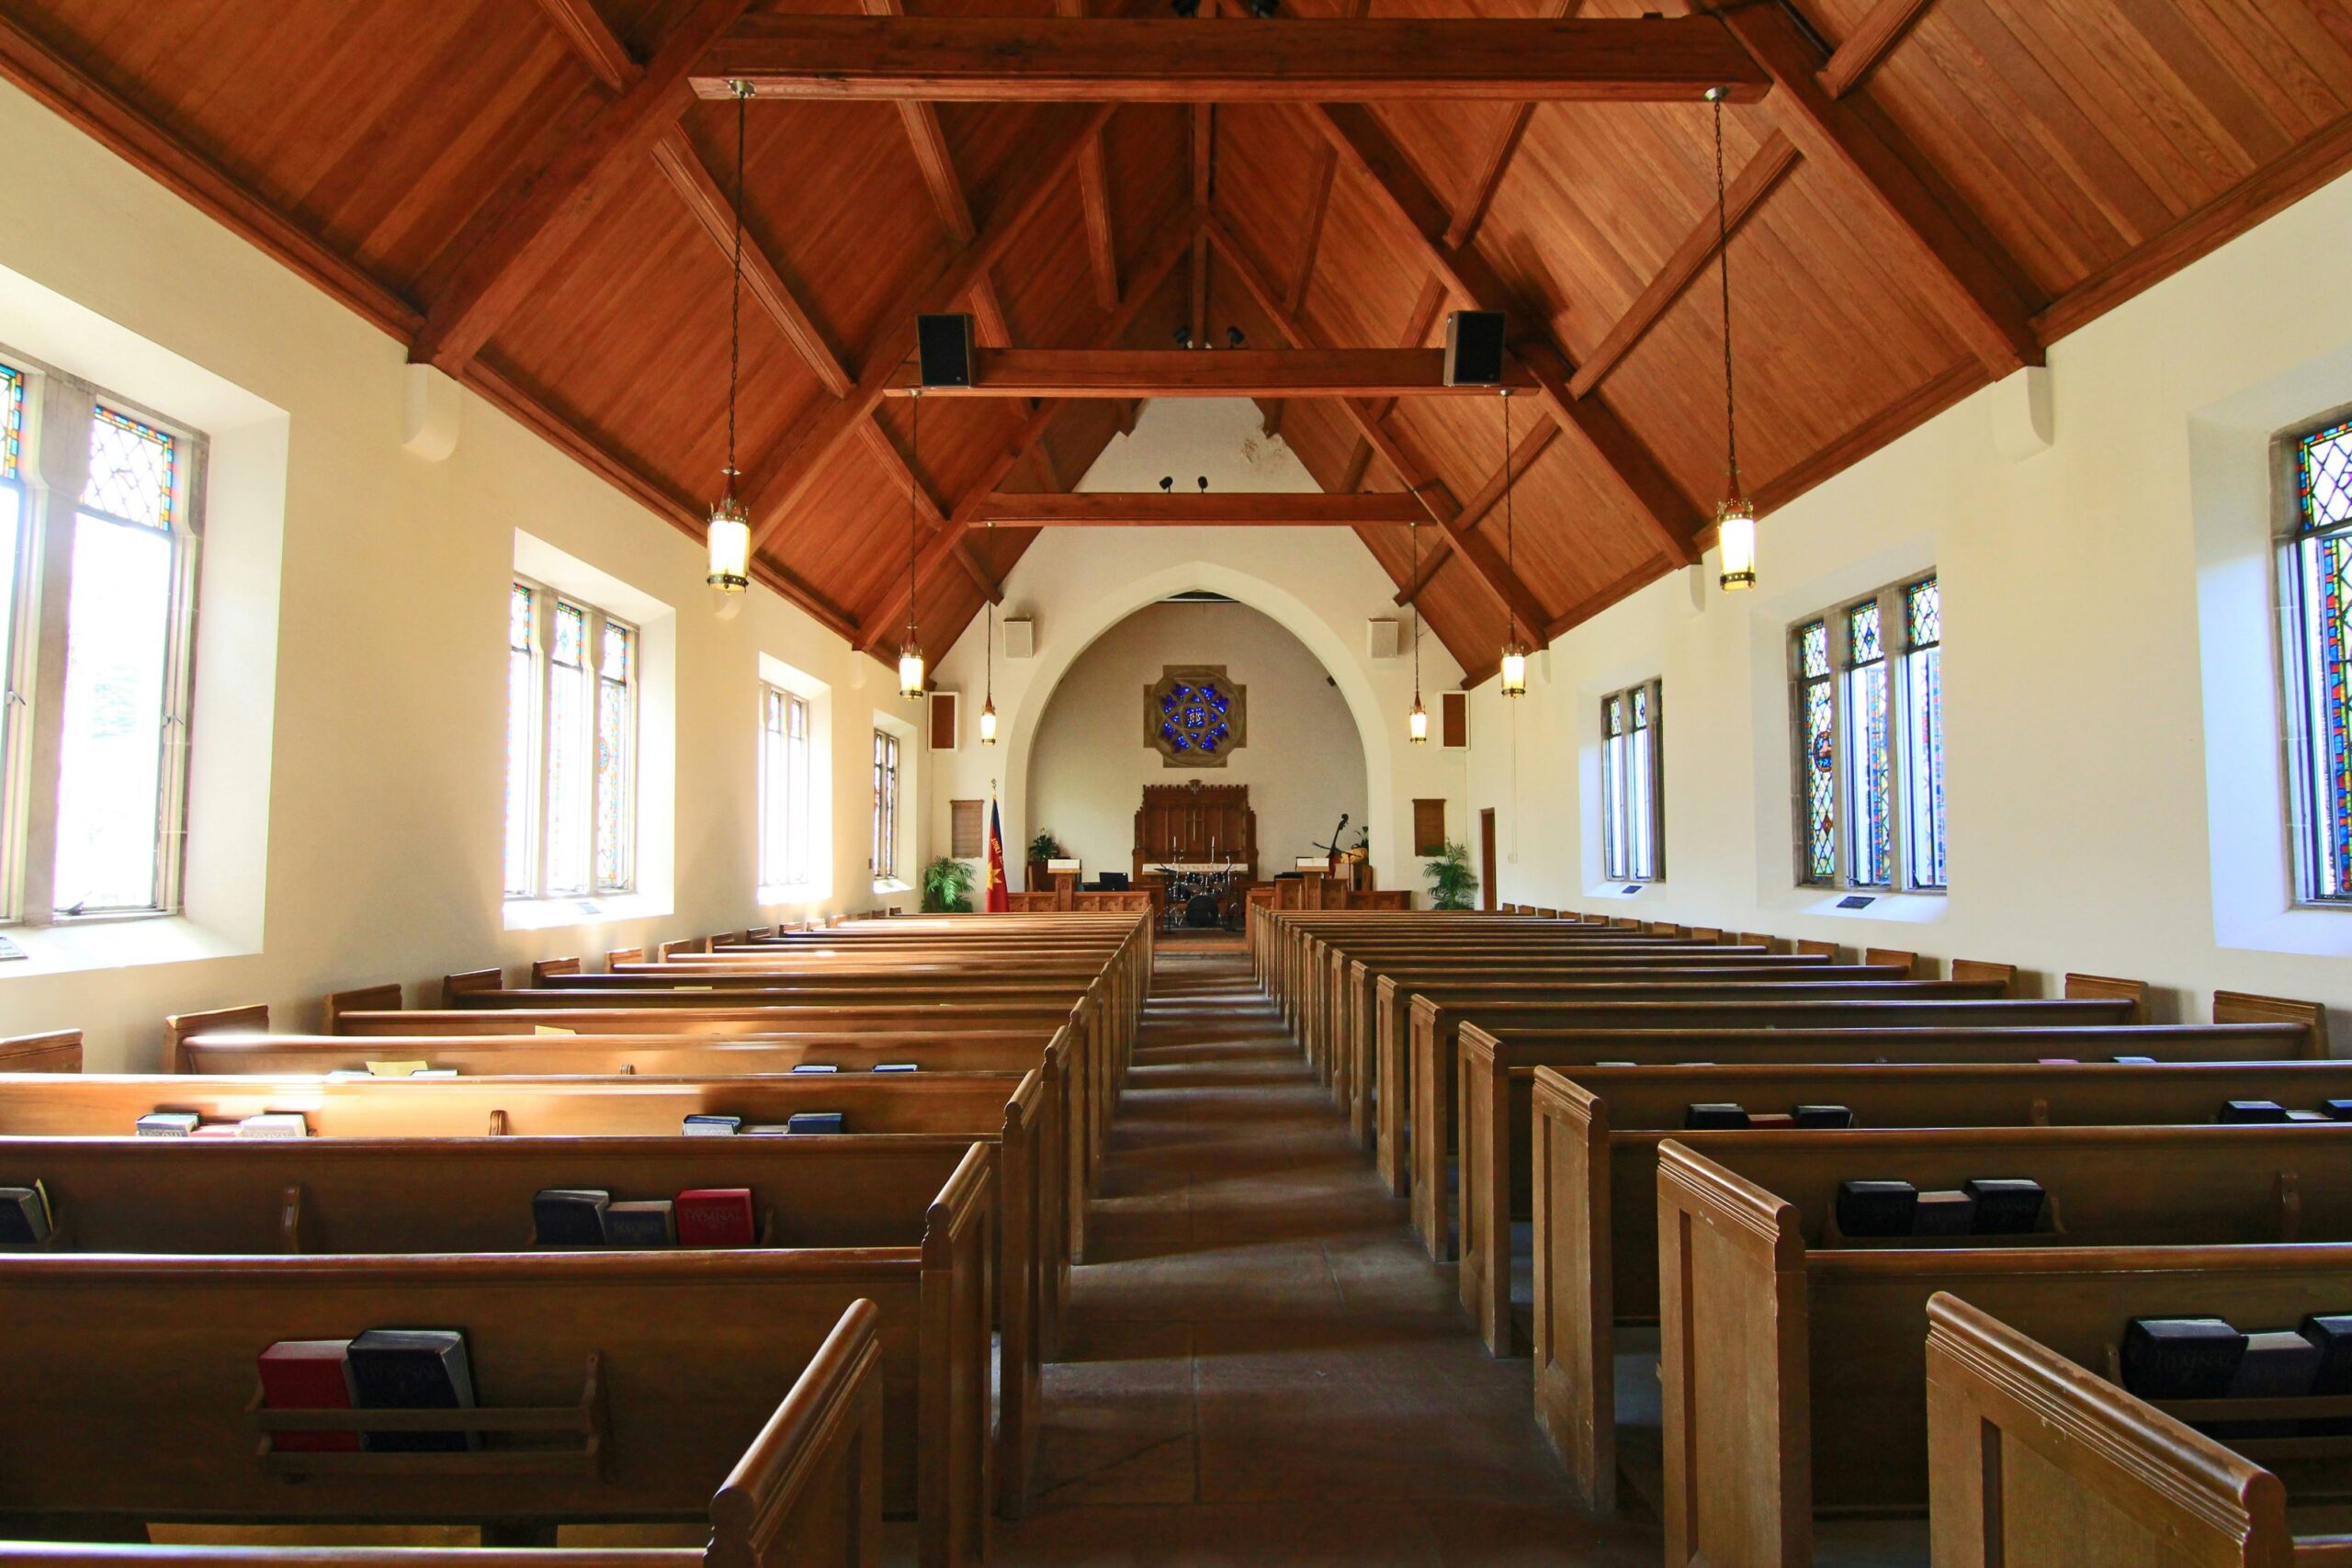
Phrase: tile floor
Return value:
(1264, 1368)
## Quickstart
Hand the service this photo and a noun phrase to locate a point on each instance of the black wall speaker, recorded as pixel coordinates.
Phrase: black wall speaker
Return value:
(944, 345)
(1474, 348)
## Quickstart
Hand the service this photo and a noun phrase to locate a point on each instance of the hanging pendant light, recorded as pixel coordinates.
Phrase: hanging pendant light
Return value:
(988, 703)
(1735, 516)
(730, 533)
(911, 680)
(1514, 672)
(1417, 723)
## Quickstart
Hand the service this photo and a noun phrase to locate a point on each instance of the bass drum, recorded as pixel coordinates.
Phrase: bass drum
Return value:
(1200, 912)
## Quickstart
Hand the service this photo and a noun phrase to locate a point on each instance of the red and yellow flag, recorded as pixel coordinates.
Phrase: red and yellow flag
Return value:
(999, 897)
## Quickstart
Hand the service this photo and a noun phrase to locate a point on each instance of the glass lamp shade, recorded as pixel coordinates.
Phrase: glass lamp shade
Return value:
(1514, 681)
(1417, 723)
(1735, 532)
(730, 546)
(988, 722)
(910, 671)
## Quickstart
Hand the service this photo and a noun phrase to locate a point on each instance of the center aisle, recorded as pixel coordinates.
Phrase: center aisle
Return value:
(1262, 1366)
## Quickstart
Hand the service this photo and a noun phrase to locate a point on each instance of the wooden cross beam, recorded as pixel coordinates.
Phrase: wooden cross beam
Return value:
(1213, 373)
(1065, 59)
(1153, 509)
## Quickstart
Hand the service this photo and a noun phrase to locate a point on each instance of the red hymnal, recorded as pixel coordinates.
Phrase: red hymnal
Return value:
(715, 1216)
(308, 1374)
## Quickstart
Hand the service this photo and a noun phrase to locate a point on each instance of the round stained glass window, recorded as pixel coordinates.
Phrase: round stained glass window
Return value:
(1194, 717)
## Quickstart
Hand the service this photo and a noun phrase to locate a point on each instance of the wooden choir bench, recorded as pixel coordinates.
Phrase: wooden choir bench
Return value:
(1791, 1370)
(1594, 1179)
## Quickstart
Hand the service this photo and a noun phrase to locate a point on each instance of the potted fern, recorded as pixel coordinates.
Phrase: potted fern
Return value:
(1451, 879)
(947, 886)
(1042, 847)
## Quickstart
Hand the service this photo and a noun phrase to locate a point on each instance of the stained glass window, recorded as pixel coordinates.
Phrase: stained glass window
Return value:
(2316, 569)
(886, 806)
(1923, 734)
(784, 788)
(12, 422)
(1817, 753)
(1629, 786)
(570, 748)
(1870, 799)
(1195, 718)
(522, 710)
(134, 468)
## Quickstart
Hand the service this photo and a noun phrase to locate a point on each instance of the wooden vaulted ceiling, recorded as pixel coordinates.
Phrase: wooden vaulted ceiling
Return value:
(527, 193)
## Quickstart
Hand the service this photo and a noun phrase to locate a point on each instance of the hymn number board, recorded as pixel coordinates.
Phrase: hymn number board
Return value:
(1195, 716)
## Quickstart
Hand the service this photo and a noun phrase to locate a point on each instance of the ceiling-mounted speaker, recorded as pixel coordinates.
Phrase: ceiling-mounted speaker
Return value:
(1020, 637)
(1381, 638)
(1474, 348)
(944, 350)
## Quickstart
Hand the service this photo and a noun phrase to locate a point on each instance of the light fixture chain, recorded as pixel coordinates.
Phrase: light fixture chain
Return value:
(1511, 529)
(735, 306)
(1723, 262)
(914, 513)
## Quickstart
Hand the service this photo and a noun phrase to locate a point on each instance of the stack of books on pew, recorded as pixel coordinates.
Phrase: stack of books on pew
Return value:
(588, 1216)
(383, 1368)
(188, 1125)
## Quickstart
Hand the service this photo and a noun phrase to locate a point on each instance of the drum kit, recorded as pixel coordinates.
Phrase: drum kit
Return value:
(1202, 900)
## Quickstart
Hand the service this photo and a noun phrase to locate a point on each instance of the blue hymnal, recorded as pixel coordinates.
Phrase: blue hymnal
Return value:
(815, 1122)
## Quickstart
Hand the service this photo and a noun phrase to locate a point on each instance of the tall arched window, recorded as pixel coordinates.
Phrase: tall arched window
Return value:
(2315, 584)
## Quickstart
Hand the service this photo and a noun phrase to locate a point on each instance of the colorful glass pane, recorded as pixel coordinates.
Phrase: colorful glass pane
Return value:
(570, 635)
(1923, 609)
(132, 469)
(1924, 766)
(1862, 645)
(1641, 707)
(1812, 650)
(1820, 767)
(519, 752)
(614, 663)
(2333, 725)
(1870, 778)
(2323, 476)
(518, 618)
(613, 780)
(1613, 713)
(12, 422)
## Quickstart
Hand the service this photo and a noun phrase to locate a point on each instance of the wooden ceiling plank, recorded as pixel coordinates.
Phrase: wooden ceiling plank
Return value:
(1090, 60)
(1310, 239)
(1960, 263)
(783, 481)
(1102, 247)
(1427, 307)
(548, 214)
(715, 211)
(1386, 374)
(64, 89)
(593, 39)
(1154, 509)
(1770, 165)
(1478, 198)
(1173, 244)
(1882, 27)
(1394, 447)
(1663, 512)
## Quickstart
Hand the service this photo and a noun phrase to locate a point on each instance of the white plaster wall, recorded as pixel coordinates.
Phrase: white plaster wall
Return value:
(1302, 758)
(384, 733)
(2110, 716)
(1317, 585)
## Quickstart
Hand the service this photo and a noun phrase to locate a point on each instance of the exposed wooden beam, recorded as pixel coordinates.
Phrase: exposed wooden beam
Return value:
(1102, 248)
(1204, 123)
(1479, 198)
(1667, 515)
(593, 41)
(715, 210)
(1880, 28)
(62, 87)
(1756, 181)
(1143, 284)
(1419, 478)
(1310, 238)
(780, 482)
(1957, 257)
(1427, 307)
(1063, 59)
(902, 474)
(1386, 372)
(1152, 509)
(513, 250)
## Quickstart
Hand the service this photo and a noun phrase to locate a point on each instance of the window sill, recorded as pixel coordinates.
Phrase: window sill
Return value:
(125, 943)
(1626, 889)
(771, 897)
(1895, 908)
(547, 914)
(889, 888)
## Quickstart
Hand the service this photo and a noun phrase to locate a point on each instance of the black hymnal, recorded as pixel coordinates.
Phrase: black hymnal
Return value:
(2252, 1111)
(1713, 1117)
(569, 1216)
(2181, 1357)
(412, 1369)
(2006, 1206)
(24, 1216)
(1824, 1116)
(1877, 1207)
(2332, 1332)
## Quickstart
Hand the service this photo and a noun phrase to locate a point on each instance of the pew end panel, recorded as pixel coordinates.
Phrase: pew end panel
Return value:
(2033, 1459)
(58, 1051)
(2244, 1007)
(2107, 987)
(957, 1491)
(2004, 974)
(181, 1027)
(365, 999)
(545, 969)
(1576, 1396)
(807, 1492)
(1733, 1368)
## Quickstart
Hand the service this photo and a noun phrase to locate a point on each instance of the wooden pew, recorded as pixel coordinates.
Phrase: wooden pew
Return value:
(57, 1052)
(154, 1356)
(1594, 1179)
(1792, 1372)
(1726, 1003)
(806, 1493)
(924, 1204)
(2036, 1459)
(1003, 1115)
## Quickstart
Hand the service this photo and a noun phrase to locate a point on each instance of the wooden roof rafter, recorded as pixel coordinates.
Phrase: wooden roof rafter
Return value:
(1478, 198)
(593, 42)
